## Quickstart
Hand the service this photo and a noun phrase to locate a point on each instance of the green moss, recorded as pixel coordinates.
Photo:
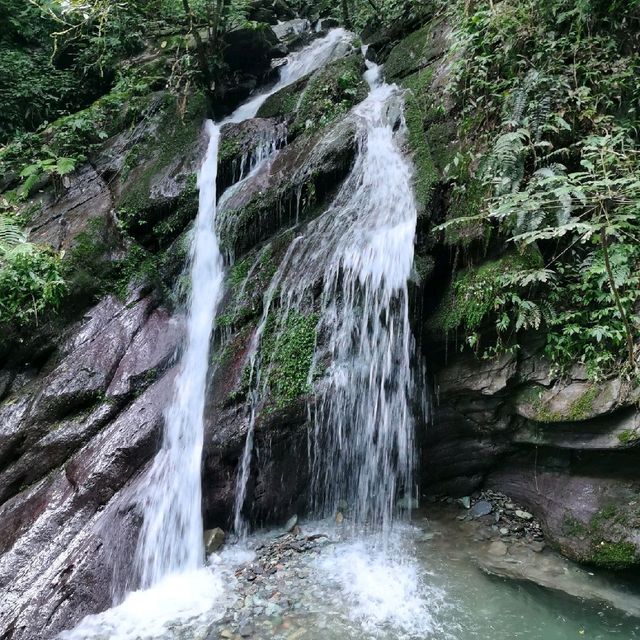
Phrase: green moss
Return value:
(239, 272)
(288, 351)
(614, 555)
(573, 527)
(628, 437)
(603, 533)
(90, 269)
(418, 109)
(331, 92)
(184, 210)
(607, 516)
(176, 136)
(414, 52)
(230, 148)
(582, 407)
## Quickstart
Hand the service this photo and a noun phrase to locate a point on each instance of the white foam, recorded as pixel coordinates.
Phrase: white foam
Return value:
(383, 588)
(195, 598)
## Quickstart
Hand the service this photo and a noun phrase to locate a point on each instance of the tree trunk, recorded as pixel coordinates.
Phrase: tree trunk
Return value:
(346, 18)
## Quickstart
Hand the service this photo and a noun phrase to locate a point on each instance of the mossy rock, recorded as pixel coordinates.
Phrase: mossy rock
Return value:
(287, 352)
(417, 50)
(158, 196)
(284, 103)
(430, 135)
(301, 179)
(575, 401)
(608, 539)
(330, 93)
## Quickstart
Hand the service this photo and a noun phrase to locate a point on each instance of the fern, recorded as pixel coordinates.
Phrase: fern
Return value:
(11, 236)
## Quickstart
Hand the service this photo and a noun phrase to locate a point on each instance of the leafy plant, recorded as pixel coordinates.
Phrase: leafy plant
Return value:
(547, 105)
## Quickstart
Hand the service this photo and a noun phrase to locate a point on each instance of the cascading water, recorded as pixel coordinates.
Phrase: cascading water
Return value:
(363, 441)
(361, 249)
(171, 538)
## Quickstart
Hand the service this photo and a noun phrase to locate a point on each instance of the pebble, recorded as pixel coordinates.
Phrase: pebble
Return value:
(291, 523)
(523, 515)
(498, 548)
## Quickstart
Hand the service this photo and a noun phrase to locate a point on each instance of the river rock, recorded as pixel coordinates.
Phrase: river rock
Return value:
(213, 539)
(524, 515)
(498, 548)
(480, 509)
(291, 523)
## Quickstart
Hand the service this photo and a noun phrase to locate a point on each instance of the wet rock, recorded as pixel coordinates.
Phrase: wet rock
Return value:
(523, 515)
(291, 523)
(480, 509)
(498, 548)
(59, 561)
(324, 24)
(62, 218)
(213, 539)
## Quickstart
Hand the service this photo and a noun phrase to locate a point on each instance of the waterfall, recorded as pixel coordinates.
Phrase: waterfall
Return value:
(171, 537)
(363, 442)
(361, 249)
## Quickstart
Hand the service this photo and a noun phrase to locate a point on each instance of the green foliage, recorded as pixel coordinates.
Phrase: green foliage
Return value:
(499, 290)
(31, 284)
(547, 101)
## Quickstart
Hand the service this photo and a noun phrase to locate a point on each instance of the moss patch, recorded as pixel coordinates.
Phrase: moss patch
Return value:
(614, 555)
(414, 52)
(628, 437)
(137, 212)
(287, 349)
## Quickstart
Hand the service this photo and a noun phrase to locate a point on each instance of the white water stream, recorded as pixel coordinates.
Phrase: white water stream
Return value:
(361, 249)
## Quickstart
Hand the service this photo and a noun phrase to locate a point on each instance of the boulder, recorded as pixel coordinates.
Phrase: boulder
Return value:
(213, 540)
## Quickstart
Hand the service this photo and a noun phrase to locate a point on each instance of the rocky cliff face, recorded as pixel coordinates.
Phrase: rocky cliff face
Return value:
(81, 416)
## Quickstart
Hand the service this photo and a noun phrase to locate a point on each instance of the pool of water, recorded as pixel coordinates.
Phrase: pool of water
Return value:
(328, 584)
